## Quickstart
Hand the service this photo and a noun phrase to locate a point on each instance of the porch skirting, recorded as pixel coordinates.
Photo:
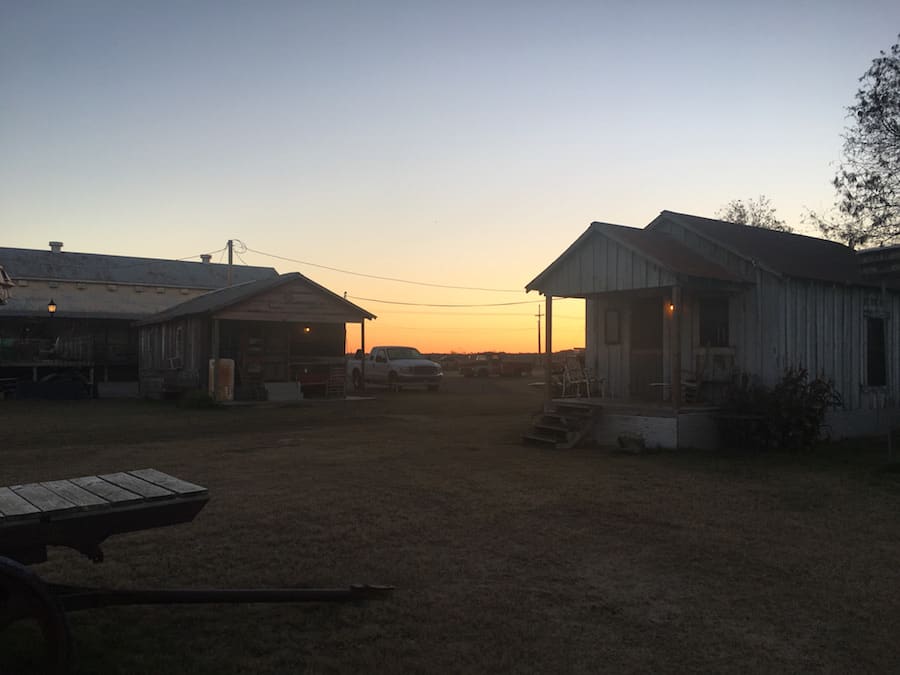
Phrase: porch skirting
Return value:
(658, 428)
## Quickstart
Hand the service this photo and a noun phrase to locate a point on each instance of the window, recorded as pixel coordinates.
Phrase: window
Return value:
(876, 363)
(179, 341)
(714, 322)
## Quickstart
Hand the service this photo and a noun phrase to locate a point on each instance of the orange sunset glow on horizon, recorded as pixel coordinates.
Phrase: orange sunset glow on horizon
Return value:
(469, 331)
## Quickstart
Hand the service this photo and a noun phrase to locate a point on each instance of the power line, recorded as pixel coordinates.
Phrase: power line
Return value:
(159, 261)
(485, 314)
(427, 304)
(455, 330)
(375, 276)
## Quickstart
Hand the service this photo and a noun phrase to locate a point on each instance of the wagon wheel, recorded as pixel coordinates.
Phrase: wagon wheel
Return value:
(23, 596)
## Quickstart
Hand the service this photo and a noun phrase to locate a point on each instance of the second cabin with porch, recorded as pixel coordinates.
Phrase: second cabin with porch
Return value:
(282, 338)
(675, 311)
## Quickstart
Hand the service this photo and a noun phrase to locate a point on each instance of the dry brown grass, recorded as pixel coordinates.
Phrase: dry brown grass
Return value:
(505, 558)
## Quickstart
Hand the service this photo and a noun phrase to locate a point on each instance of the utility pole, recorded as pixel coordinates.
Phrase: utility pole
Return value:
(230, 260)
(539, 315)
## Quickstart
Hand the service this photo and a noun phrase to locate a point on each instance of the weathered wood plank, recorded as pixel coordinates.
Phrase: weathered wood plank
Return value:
(77, 495)
(137, 485)
(109, 492)
(43, 499)
(13, 506)
(168, 482)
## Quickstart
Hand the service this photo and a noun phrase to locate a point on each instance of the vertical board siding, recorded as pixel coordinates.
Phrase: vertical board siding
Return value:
(776, 323)
(602, 265)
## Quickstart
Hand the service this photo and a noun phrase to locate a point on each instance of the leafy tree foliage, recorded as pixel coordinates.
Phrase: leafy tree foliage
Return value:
(868, 180)
(757, 212)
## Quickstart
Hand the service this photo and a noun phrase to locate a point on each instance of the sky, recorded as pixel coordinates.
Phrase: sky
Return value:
(460, 144)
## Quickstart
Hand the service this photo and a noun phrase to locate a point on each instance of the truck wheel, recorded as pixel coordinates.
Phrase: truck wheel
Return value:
(357, 380)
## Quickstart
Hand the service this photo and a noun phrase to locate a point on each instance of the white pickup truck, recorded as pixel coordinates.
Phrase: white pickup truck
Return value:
(394, 367)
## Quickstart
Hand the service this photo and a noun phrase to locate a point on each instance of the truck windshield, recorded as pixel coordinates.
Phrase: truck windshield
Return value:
(403, 353)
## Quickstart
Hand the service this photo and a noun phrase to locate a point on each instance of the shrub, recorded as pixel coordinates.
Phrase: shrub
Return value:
(788, 416)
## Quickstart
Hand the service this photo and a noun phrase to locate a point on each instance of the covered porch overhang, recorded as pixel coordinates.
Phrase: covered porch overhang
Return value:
(671, 300)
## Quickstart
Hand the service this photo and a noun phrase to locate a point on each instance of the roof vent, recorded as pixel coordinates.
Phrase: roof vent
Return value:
(56, 246)
(205, 257)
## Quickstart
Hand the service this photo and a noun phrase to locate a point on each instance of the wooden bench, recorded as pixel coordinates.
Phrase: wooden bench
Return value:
(81, 513)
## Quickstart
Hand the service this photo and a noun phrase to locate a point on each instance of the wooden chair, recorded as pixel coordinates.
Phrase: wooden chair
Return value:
(578, 380)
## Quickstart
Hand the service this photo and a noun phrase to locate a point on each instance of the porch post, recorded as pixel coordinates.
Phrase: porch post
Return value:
(213, 357)
(362, 361)
(675, 347)
(548, 347)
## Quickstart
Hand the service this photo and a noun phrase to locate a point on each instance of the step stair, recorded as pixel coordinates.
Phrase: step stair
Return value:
(563, 426)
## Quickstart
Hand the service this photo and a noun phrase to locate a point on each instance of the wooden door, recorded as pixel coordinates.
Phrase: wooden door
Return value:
(647, 349)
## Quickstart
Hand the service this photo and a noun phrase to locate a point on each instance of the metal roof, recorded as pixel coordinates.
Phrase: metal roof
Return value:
(215, 301)
(785, 253)
(658, 247)
(667, 252)
(21, 263)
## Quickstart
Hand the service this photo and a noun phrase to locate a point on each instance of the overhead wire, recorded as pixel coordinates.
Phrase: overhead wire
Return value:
(431, 304)
(383, 278)
(157, 261)
(239, 247)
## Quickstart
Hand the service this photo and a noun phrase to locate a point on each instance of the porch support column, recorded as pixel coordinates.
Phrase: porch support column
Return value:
(548, 347)
(675, 347)
(213, 357)
(362, 361)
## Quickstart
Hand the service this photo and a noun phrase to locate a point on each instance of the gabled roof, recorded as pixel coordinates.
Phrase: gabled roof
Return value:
(215, 301)
(22, 263)
(784, 253)
(659, 248)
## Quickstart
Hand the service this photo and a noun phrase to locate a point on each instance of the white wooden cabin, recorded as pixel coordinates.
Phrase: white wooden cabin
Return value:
(694, 300)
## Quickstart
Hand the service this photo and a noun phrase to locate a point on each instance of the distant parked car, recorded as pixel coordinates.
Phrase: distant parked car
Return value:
(451, 362)
(495, 363)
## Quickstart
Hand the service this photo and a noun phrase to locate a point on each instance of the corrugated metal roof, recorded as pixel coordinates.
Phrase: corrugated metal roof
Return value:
(97, 302)
(215, 301)
(667, 252)
(21, 263)
(657, 247)
(785, 253)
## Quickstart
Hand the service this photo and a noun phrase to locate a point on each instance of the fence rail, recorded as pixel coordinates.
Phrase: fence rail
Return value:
(77, 349)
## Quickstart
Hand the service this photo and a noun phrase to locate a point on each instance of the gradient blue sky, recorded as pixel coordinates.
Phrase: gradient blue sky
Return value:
(456, 143)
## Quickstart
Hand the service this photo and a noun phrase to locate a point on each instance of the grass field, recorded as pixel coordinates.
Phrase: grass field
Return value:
(506, 558)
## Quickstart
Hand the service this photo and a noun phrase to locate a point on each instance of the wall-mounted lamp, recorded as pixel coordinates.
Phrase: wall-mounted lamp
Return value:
(670, 307)
(51, 307)
(307, 329)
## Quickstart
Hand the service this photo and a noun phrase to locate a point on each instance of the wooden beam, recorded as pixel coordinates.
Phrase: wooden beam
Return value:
(675, 346)
(548, 346)
(214, 357)
(362, 361)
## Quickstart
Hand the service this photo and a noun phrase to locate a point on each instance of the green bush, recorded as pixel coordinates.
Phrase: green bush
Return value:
(788, 416)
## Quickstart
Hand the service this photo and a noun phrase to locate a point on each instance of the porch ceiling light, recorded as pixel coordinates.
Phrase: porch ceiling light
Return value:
(51, 307)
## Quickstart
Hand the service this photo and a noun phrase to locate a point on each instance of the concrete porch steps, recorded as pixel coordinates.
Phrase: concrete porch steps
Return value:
(564, 425)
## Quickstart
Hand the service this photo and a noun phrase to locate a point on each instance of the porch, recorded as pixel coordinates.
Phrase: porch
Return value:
(625, 424)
